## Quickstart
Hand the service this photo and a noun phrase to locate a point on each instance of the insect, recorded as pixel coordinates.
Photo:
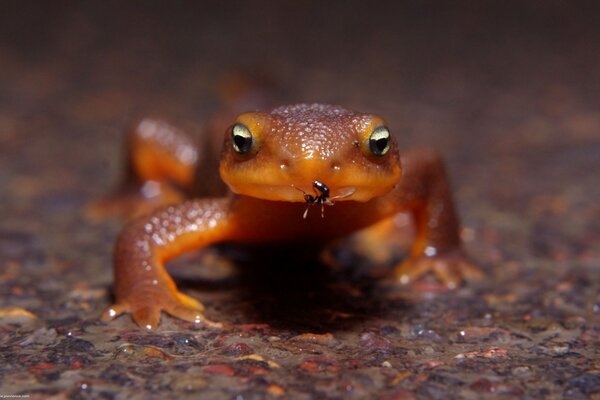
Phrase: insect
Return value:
(322, 197)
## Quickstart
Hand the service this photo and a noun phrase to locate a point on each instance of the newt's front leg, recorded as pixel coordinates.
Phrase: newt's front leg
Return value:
(424, 189)
(161, 161)
(142, 285)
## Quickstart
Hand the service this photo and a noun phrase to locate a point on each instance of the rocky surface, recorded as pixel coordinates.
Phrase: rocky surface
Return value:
(509, 93)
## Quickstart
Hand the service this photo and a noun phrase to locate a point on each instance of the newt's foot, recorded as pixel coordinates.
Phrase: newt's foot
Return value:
(450, 269)
(147, 315)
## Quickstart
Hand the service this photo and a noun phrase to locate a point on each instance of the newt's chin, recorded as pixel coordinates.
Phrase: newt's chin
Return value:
(297, 193)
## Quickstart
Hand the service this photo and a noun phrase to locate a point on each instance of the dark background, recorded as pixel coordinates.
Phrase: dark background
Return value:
(507, 91)
(476, 76)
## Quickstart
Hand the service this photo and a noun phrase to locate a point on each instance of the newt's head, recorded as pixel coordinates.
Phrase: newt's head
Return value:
(270, 155)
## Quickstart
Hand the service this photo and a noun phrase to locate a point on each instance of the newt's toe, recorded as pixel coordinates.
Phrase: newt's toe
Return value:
(450, 269)
(191, 314)
(114, 311)
(189, 302)
(147, 317)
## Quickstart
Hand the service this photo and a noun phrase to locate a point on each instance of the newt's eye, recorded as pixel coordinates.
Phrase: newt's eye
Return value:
(379, 141)
(241, 138)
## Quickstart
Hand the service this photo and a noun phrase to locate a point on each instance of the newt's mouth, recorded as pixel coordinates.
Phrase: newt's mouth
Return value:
(309, 194)
(303, 193)
(322, 193)
(323, 196)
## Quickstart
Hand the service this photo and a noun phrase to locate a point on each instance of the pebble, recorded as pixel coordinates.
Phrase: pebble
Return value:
(373, 341)
(237, 349)
(324, 339)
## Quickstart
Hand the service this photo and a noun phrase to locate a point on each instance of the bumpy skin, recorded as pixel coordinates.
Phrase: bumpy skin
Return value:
(292, 147)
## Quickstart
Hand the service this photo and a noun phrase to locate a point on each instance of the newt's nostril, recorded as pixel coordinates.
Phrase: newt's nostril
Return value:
(284, 164)
(335, 166)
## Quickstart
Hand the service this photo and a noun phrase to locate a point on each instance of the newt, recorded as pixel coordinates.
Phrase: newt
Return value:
(279, 165)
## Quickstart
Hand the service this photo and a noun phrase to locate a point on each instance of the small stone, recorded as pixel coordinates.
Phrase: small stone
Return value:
(489, 353)
(258, 357)
(373, 341)
(219, 369)
(521, 371)
(86, 293)
(189, 383)
(157, 353)
(309, 366)
(238, 349)
(479, 333)
(16, 315)
(275, 390)
(588, 383)
(558, 349)
(42, 336)
(185, 345)
(324, 339)
(140, 353)
(388, 330)
(422, 332)
(484, 385)
(84, 386)
(488, 386)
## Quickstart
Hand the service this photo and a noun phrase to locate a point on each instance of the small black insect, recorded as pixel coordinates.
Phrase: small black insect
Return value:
(322, 197)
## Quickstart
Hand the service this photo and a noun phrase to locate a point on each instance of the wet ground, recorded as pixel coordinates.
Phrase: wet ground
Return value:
(508, 93)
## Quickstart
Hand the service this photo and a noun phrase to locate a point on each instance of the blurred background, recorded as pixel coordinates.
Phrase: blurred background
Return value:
(470, 78)
(507, 91)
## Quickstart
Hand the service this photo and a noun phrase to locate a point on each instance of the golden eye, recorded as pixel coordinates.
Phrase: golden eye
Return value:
(379, 141)
(241, 138)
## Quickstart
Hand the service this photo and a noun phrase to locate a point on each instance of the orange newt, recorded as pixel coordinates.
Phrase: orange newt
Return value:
(306, 174)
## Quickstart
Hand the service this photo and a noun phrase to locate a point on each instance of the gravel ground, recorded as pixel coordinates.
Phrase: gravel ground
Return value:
(507, 91)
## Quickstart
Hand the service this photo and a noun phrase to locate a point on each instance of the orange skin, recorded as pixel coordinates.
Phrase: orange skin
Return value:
(291, 148)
